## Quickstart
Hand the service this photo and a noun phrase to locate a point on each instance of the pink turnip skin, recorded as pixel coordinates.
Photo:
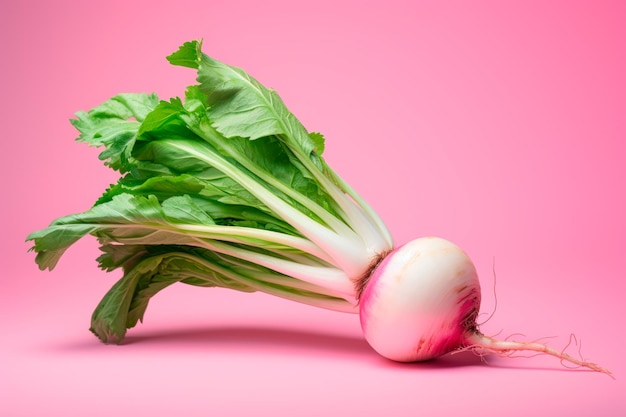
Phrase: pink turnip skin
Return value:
(421, 301)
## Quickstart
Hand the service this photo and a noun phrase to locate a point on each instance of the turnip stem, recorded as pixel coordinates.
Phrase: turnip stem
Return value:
(484, 344)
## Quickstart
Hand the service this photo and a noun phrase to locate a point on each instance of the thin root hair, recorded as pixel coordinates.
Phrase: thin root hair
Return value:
(572, 339)
(495, 295)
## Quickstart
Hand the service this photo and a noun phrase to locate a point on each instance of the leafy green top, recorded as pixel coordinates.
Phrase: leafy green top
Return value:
(224, 188)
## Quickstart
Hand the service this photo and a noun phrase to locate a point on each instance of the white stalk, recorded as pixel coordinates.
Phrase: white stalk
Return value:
(328, 277)
(335, 304)
(238, 234)
(374, 241)
(372, 215)
(332, 278)
(272, 277)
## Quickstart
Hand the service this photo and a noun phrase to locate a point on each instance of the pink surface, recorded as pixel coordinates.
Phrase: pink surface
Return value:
(498, 125)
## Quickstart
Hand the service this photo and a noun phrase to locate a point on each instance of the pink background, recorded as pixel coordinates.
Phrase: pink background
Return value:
(498, 125)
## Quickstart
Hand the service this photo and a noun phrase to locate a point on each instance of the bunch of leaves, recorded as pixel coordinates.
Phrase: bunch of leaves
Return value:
(223, 187)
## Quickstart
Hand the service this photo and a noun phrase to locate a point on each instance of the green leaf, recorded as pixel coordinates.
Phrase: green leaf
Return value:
(143, 214)
(135, 219)
(319, 141)
(116, 256)
(161, 187)
(186, 55)
(148, 270)
(212, 200)
(110, 319)
(51, 243)
(114, 125)
(240, 106)
(164, 121)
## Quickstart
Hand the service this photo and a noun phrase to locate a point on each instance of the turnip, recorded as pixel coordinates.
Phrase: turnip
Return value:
(226, 188)
(422, 302)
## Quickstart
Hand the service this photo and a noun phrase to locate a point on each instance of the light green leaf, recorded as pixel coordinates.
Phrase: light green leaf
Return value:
(319, 141)
(114, 125)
